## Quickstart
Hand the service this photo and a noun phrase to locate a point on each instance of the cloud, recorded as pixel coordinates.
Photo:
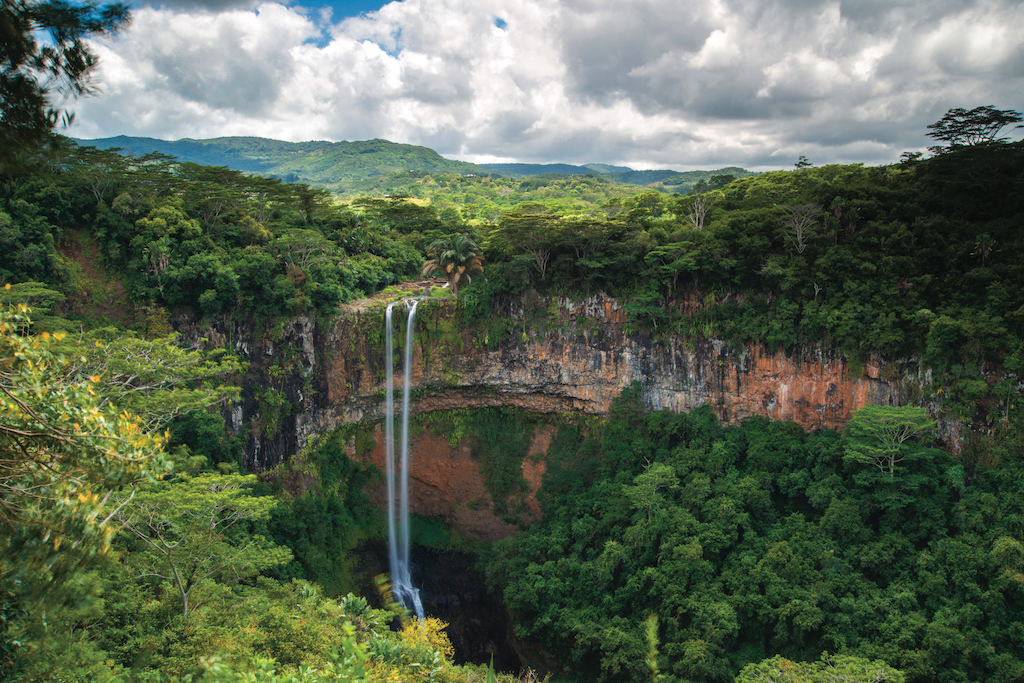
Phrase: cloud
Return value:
(647, 83)
(210, 6)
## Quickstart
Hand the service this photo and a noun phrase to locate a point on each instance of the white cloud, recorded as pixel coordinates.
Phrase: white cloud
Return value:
(649, 82)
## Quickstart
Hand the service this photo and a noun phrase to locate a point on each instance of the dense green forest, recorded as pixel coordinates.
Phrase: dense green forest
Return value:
(760, 540)
(331, 165)
(377, 167)
(670, 546)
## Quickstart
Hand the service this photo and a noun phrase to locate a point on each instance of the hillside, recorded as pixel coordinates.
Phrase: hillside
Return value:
(333, 165)
(379, 166)
(665, 180)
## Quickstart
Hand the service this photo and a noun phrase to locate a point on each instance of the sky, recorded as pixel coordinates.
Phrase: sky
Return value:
(694, 84)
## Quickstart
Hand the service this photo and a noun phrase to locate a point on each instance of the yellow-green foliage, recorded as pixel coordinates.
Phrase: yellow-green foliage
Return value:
(428, 632)
(826, 670)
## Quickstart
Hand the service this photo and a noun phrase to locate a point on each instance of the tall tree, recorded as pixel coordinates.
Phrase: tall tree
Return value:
(456, 257)
(798, 222)
(183, 528)
(530, 228)
(61, 448)
(44, 63)
(883, 436)
(154, 379)
(963, 128)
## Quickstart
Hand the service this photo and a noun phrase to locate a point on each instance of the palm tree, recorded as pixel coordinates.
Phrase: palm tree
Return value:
(456, 257)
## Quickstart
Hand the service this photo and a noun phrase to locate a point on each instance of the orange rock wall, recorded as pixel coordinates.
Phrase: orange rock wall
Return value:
(446, 482)
(582, 362)
(577, 358)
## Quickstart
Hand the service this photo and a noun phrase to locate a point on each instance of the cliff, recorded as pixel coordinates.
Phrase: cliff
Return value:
(565, 357)
(579, 360)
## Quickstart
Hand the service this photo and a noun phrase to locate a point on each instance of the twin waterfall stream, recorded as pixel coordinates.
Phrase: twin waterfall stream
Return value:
(398, 525)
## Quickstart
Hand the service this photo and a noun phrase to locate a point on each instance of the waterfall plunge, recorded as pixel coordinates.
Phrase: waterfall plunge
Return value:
(398, 527)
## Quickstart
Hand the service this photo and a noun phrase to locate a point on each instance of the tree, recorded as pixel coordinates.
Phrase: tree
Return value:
(829, 669)
(39, 75)
(963, 128)
(883, 435)
(301, 248)
(531, 228)
(61, 447)
(697, 213)
(61, 452)
(644, 207)
(183, 528)
(456, 257)
(643, 492)
(673, 260)
(156, 379)
(798, 222)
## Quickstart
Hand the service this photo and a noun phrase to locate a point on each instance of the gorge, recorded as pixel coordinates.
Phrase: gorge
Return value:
(626, 414)
(567, 356)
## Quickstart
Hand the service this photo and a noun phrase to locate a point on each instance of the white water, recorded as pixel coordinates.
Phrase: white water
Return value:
(398, 526)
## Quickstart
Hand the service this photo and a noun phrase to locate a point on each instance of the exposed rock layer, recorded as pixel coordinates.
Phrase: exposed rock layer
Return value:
(583, 361)
(566, 356)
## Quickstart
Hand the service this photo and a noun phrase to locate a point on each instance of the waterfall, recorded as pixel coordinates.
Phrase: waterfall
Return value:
(398, 526)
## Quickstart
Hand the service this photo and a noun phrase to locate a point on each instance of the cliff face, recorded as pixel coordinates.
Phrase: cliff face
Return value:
(578, 359)
(583, 357)
(446, 482)
(574, 356)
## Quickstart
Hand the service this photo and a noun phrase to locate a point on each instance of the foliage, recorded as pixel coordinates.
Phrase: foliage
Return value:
(829, 669)
(759, 540)
(62, 445)
(44, 62)
(981, 125)
(325, 522)
(882, 435)
(62, 448)
(155, 379)
(456, 257)
(213, 239)
(184, 528)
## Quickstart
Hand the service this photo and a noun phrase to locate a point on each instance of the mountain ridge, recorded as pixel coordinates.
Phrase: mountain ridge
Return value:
(339, 166)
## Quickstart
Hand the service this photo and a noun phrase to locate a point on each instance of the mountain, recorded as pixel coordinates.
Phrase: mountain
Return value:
(328, 164)
(608, 168)
(523, 170)
(373, 166)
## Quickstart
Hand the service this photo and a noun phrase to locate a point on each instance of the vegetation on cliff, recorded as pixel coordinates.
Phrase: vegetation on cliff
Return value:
(761, 540)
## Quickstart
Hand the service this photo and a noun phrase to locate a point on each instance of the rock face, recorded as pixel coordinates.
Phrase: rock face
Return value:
(581, 359)
(564, 356)
(578, 359)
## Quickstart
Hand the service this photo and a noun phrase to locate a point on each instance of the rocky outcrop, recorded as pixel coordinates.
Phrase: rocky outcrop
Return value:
(565, 356)
(582, 357)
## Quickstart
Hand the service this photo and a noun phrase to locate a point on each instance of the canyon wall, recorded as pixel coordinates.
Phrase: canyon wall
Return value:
(564, 356)
(579, 358)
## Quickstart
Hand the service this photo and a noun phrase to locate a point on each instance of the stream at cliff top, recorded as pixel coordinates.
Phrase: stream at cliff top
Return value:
(398, 526)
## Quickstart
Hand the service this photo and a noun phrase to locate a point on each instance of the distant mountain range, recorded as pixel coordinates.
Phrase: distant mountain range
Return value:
(317, 162)
(341, 166)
